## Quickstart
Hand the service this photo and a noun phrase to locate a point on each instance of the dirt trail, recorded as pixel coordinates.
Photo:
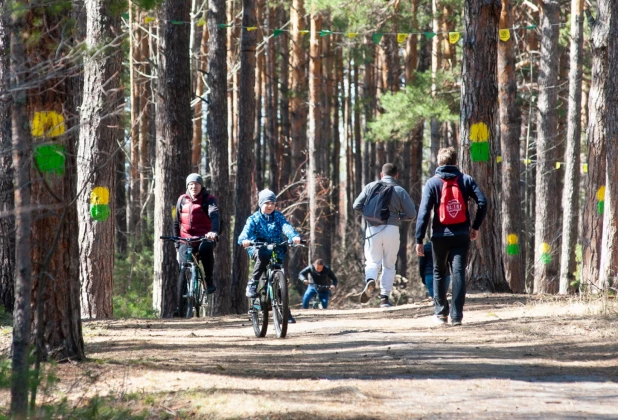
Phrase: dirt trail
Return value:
(514, 357)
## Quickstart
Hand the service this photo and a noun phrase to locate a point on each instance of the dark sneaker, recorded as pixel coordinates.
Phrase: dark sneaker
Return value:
(370, 286)
(251, 291)
(385, 303)
(455, 323)
(439, 319)
(291, 319)
(211, 289)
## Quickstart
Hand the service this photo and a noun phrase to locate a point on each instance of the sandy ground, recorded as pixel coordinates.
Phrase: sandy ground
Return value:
(514, 357)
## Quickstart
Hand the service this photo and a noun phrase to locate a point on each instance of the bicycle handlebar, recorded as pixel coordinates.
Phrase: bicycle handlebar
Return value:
(186, 240)
(271, 245)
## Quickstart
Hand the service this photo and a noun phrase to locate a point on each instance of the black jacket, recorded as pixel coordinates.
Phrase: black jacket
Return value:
(431, 201)
(322, 279)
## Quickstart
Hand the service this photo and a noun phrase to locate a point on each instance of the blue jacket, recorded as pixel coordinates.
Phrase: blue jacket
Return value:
(431, 200)
(272, 227)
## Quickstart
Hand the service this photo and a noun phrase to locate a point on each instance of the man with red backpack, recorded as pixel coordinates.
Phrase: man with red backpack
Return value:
(197, 214)
(447, 194)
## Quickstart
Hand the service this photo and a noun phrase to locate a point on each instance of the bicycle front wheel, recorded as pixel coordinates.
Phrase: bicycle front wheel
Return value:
(207, 304)
(185, 293)
(259, 316)
(281, 307)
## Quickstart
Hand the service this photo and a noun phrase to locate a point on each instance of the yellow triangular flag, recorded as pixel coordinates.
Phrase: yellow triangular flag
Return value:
(352, 34)
(401, 37)
(251, 28)
(527, 161)
(148, 19)
(505, 34)
(558, 165)
(453, 37)
(498, 159)
(201, 22)
(303, 32)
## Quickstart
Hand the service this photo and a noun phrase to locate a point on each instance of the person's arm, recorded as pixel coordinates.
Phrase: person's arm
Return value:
(287, 228)
(302, 276)
(359, 203)
(424, 212)
(409, 209)
(213, 214)
(422, 264)
(248, 232)
(481, 203)
(332, 276)
(177, 221)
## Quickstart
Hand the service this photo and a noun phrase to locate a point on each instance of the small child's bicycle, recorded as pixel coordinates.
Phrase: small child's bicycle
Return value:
(272, 295)
(192, 296)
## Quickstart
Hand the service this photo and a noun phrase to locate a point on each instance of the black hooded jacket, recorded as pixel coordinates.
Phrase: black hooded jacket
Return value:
(431, 200)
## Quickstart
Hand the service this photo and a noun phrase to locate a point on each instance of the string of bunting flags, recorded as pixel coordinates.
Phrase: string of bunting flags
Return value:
(583, 166)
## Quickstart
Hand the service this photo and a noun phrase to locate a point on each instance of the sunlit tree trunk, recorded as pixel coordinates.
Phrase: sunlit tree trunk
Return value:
(134, 180)
(608, 273)
(98, 142)
(174, 137)
(283, 46)
(510, 131)
(571, 192)
(246, 162)
(480, 146)
(595, 179)
(198, 110)
(219, 165)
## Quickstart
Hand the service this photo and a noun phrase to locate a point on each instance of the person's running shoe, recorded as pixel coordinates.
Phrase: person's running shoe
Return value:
(385, 303)
(370, 286)
(455, 323)
(211, 289)
(439, 319)
(251, 289)
(291, 319)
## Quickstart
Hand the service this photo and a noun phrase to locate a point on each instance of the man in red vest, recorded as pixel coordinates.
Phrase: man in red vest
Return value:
(447, 194)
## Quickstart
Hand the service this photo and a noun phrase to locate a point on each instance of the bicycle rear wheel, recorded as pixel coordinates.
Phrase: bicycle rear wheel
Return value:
(259, 316)
(185, 295)
(281, 308)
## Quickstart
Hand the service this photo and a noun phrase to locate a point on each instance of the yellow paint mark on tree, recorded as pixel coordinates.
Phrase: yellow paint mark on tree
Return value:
(512, 239)
(479, 148)
(479, 132)
(174, 213)
(545, 253)
(47, 124)
(505, 35)
(601, 193)
(512, 247)
(99, 195)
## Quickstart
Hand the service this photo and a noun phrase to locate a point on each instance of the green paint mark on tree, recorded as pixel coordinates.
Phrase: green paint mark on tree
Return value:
(50, 158)
(545, 258)
(512, 249)
(601, 207)
(479, 152)
(99, 212)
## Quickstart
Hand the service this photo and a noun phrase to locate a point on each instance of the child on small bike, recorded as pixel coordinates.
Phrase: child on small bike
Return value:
(265, 225)
(318, 277)
(197, 214)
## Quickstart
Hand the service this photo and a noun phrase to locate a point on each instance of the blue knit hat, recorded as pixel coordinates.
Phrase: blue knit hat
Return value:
(265, 196)
(195, 178)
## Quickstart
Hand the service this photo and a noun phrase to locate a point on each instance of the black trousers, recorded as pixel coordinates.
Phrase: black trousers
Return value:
(206, 253)
(454, 249)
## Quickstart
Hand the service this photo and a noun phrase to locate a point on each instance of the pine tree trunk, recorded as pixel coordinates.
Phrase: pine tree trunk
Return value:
(144, 129)
(284, 139)
(510, 131)
(174, 137)
(200, 88)
(546, 228)
(595, 179)
(313, 134)
(272, 99)
(480, 146)
(99, 114)
(7, 199)
(134, 184)
(219, 164)
(571, 192)
(120, 197)
(246, 162)
(608, 273)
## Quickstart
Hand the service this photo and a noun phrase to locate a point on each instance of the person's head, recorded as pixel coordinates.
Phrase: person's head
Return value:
(318, 264)
(195, 183)
(389, 169)
(267, 201)
(447, 156)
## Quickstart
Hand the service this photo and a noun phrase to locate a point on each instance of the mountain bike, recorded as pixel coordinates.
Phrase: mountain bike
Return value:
(192, 296)
(316, 302)
(272, 295)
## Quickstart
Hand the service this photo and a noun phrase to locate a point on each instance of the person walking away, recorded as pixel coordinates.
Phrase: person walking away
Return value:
(197, 214)
(425, 269)
(384, 205)
(315, 275)
(447, 194)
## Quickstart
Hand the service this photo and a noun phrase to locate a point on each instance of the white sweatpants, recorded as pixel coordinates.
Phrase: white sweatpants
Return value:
(381, 251)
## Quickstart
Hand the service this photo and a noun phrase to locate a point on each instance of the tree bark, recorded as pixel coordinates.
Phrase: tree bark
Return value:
(99, 131)
(200, 88)
(313, 134)
(21, 152)
(546, 228)
(479, 102)
(246, 162)
(570, 195)
(510, 131)
(595, 180)
(134, 184)
(7, 200)
(608, 273)
(173, 143)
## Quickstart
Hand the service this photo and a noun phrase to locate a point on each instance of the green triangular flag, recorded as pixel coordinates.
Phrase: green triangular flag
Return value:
(325, 32)
(225, 25)
(124, 15)
(429, 35)
(176, 22)
(530, 26)
(277, 32)
(377, 37)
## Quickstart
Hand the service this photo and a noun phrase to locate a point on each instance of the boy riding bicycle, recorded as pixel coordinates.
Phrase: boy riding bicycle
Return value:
(265, 225)
(197, 214)
(318, 277)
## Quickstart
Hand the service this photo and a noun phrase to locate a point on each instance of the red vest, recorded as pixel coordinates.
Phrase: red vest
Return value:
(193, 219)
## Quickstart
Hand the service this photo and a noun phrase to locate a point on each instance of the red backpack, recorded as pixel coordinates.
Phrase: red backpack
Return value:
(452, 208)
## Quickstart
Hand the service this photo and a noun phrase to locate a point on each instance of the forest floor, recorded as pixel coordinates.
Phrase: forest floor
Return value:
(516, 356)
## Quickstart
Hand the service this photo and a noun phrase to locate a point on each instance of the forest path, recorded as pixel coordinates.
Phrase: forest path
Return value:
(514, 356)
